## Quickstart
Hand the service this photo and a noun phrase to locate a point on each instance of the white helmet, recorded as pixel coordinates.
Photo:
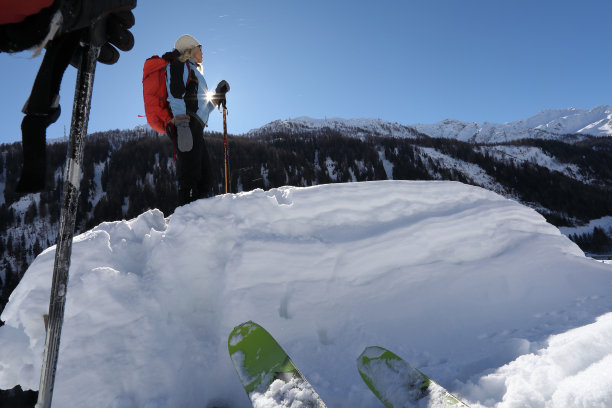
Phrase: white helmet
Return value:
(185, 42)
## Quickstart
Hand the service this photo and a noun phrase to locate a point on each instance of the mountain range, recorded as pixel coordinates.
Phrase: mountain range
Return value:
(565, 177)
(556, 124)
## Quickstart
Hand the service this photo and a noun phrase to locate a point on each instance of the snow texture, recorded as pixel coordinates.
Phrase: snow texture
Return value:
(294, 393)
(475, 290)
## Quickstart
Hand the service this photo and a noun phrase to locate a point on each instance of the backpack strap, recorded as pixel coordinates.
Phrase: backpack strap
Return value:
(171, 132)
(190, 74)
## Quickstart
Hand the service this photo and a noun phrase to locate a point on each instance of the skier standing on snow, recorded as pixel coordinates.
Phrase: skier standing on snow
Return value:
(191, 104)
(59, 26)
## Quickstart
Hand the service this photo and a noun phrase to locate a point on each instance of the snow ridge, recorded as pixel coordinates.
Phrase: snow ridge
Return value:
(359, 128)
(554, 124)
(464, 284)
(548, 124)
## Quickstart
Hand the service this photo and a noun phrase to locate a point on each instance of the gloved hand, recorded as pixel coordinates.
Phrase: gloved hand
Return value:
(184, 139)
(219, 97)
(79, 14)
(112, 20)
(223, 87)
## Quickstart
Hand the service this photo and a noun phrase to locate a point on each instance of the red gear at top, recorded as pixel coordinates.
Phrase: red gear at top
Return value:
(15, 11)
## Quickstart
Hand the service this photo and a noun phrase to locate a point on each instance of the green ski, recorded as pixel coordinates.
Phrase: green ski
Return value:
(399, 385)
(266, 372)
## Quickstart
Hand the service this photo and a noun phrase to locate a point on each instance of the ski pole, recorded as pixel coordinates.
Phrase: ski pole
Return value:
(72, 177)
(225, 147)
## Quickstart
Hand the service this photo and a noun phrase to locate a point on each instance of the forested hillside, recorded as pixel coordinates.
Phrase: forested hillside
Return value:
(128, 172)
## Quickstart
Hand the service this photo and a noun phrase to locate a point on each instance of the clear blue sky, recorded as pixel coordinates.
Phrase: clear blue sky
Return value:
(407, 61)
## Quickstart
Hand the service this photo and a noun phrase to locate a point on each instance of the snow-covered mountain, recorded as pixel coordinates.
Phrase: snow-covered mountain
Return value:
(548, 124)
(348, 127)
(476, 290)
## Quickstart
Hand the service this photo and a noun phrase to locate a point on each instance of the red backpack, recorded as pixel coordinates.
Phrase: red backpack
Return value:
(155, 93)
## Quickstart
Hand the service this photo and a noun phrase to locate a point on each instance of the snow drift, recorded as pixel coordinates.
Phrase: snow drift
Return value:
(459, 281)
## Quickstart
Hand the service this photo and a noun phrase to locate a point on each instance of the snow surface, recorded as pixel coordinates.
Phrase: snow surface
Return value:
(475, 290)
(476, 173)
(294, 393)
(531, 154)
(604, 223)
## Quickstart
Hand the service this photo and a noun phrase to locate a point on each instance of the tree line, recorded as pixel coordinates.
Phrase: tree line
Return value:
(128, 172)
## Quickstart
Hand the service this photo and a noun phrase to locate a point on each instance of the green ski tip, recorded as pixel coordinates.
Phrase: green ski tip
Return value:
(399, 385)
(266, 372)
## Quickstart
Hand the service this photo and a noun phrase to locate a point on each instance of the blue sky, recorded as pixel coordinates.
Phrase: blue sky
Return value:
(407, 61)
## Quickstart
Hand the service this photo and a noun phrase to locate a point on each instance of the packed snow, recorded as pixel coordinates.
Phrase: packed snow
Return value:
(475, 290)
(293, 393)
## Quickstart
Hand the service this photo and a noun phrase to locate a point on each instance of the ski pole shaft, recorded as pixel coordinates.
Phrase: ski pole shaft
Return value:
(225, 147)
(72, 176)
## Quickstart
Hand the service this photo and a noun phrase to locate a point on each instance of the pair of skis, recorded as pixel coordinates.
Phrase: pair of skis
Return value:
(271, 379)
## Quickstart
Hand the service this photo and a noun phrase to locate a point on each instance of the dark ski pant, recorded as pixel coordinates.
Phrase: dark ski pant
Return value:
(193, 168)
(42, 109)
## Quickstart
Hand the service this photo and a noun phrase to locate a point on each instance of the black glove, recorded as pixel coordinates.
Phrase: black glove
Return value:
(112, 20)
(115, 16)
(223, 87)
(117, 35)
(79, 14)
(218, 98)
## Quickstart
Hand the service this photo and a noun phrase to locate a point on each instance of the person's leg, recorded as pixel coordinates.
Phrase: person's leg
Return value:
(205, 185)
(189, 166)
